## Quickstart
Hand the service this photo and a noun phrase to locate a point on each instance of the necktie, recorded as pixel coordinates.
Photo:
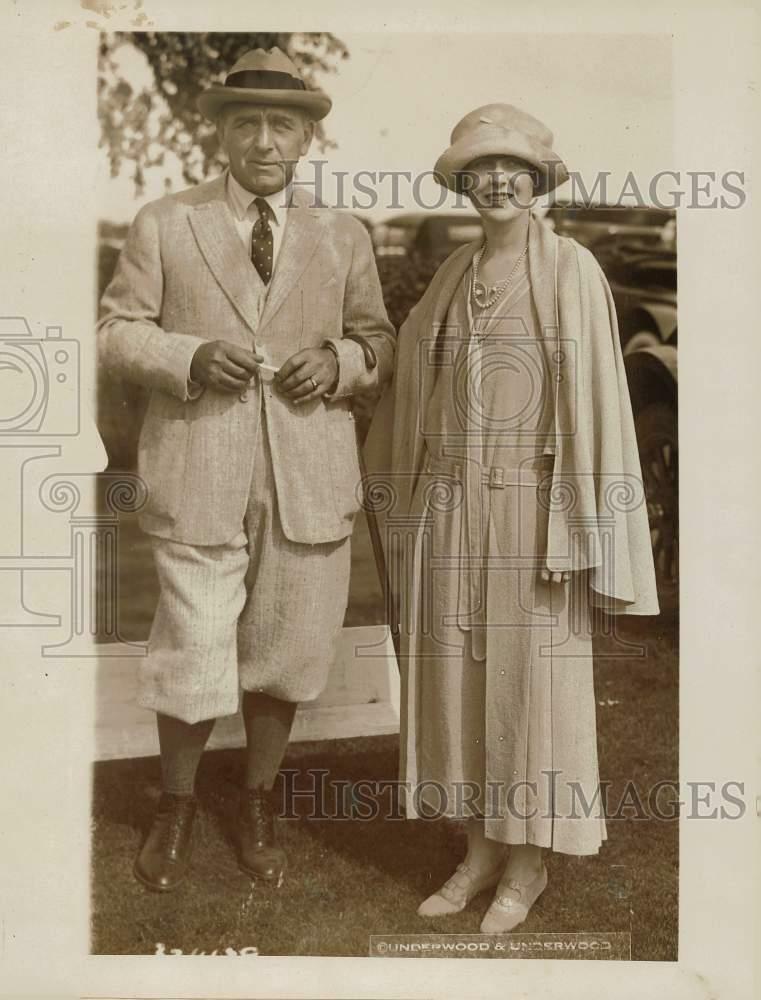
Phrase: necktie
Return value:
(262, 242)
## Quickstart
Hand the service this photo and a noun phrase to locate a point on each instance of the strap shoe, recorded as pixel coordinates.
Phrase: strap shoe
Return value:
(512, 902)
(462, 887)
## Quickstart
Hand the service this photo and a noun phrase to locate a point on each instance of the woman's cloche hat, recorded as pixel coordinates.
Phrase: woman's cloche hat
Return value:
(501, 130)
(264, 77)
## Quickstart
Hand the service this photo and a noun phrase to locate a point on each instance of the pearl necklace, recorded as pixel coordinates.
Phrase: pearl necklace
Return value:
(499, 289)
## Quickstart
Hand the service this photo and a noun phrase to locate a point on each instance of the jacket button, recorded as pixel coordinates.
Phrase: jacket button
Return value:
(243, 397)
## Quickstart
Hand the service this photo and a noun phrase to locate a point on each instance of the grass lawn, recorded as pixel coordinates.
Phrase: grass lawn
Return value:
(349, 879)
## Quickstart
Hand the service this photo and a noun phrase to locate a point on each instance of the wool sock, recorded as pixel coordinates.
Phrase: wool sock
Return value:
(268, 723)
(181, 745)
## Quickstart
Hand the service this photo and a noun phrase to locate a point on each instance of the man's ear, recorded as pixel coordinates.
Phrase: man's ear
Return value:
(308, 135)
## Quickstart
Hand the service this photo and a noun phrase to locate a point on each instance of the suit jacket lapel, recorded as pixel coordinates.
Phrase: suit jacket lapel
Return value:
(303, 231)
(225, 254)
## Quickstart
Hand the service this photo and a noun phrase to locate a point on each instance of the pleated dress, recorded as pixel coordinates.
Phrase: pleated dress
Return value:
(498, 707)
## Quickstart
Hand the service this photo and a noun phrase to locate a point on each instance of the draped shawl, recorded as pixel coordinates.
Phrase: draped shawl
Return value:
(597, 512)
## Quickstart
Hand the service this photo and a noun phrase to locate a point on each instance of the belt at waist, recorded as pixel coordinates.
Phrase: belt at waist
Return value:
(472, 474)
(494, 476)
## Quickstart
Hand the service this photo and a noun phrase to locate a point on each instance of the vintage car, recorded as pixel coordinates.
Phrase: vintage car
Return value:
(643, 280)
(429, 235)
(590, 224)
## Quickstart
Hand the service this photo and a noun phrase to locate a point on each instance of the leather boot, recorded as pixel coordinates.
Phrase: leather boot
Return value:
(259, 854)
(164, 857)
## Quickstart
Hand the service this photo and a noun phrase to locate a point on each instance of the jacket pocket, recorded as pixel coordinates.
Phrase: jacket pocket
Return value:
(161, 458)
(344, 459)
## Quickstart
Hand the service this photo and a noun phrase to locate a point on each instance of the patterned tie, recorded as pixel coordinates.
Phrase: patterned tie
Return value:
(262, 242)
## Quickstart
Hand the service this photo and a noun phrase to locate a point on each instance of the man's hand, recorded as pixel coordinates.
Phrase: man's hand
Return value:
(308, 374)
(221, 365)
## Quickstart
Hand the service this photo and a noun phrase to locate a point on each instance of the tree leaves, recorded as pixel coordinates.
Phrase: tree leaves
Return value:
(138, 128)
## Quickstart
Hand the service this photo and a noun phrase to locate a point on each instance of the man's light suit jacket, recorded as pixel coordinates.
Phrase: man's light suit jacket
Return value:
(183, 278)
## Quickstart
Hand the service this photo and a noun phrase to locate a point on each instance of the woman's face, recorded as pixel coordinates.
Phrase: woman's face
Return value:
(500, 187)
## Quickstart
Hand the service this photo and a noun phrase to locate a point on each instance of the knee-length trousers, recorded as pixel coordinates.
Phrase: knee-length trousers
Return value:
(258, 613)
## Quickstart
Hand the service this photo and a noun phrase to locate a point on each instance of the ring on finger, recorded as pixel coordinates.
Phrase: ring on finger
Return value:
(315, 386)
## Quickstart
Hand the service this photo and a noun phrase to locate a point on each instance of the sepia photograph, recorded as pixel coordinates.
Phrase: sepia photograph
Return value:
(403, 435)
(377, 573)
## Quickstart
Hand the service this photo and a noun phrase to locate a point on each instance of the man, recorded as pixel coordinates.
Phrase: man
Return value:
(252, 316)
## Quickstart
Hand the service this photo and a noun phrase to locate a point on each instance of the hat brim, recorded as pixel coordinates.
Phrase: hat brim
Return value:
(500, 142)
(314, 102)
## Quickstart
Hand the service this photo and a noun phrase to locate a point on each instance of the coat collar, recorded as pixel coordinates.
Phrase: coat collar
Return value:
(226, 257)
(543, 246)
(304, 228)
(240, 201)
(542, 258)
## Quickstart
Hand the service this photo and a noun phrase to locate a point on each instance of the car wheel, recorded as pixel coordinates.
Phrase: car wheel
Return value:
(656, 427)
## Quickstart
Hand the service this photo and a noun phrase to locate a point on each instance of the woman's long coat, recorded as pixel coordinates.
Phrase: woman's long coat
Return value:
(597, 524)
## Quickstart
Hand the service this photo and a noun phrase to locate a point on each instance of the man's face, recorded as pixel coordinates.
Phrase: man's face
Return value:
(263, 144)
(500, 187)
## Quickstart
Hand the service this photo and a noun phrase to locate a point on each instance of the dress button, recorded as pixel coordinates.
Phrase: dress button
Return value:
(502, 672)
(477, 740)
(502, 739)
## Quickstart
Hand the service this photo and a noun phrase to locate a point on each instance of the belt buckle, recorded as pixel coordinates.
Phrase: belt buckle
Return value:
(496, 478)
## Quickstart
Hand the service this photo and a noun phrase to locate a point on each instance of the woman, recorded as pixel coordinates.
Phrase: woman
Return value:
(507, 442)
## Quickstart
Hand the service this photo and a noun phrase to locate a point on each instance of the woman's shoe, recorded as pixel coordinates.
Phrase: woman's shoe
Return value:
(458, 891)
(511, 903)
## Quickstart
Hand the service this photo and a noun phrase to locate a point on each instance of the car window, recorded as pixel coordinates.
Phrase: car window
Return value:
(464, 232)
(656, 274)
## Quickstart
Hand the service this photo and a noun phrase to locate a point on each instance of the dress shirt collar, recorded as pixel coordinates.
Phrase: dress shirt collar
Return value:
(240, 200)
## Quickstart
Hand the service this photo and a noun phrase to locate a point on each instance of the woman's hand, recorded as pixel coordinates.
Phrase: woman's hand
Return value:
(549, 577)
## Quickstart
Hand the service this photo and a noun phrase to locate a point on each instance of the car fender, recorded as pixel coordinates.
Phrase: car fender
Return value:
(660, 316)
(651, 372)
